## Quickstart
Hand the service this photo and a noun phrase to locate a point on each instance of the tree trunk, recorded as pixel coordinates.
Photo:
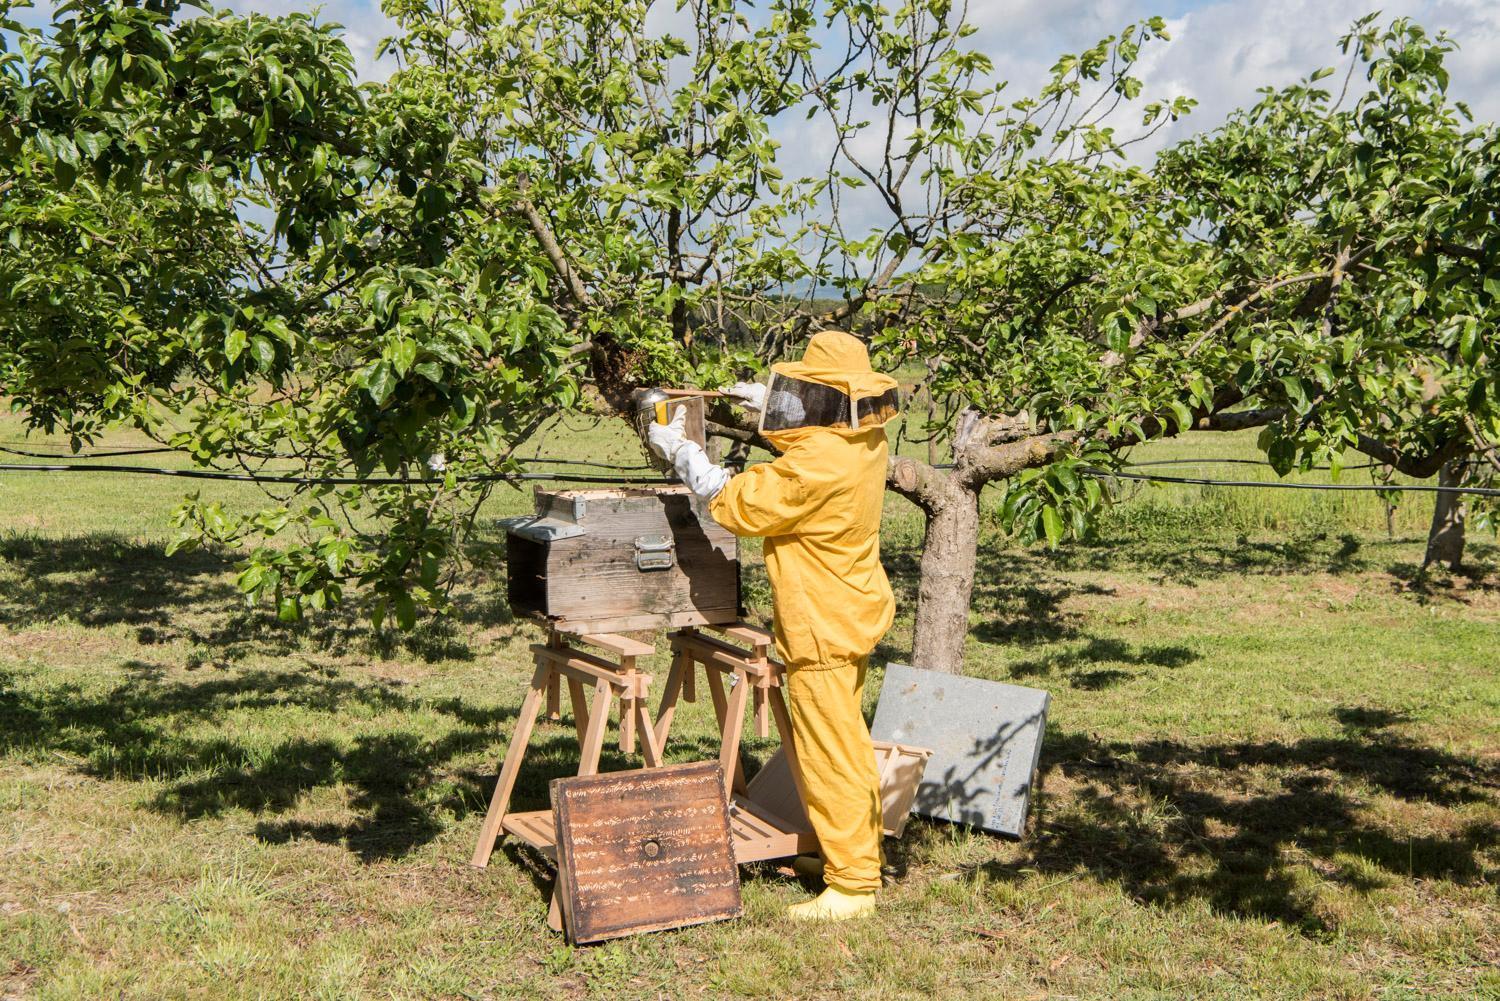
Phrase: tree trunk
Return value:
(1445, 539)
(949, 551)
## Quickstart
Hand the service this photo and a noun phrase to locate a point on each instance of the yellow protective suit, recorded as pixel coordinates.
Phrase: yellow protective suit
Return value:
(818, 506)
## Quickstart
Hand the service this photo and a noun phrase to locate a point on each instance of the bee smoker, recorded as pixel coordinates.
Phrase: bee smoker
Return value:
(656, 406)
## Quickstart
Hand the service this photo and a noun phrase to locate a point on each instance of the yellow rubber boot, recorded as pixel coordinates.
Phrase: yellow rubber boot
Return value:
(834, 904)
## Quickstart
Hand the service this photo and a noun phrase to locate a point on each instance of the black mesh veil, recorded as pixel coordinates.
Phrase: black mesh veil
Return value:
(796, 403)
(878, 410)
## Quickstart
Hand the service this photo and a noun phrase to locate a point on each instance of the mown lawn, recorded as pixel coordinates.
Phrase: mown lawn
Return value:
(1272, 769)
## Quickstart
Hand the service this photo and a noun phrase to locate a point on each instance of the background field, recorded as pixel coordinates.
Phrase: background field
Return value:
(1272, 769)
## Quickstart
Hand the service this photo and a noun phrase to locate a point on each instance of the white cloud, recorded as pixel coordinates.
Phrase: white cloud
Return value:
(1222, 52)
(1225, 51)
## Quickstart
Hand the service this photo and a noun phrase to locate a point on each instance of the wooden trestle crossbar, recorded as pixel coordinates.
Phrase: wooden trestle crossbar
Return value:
(739, 675)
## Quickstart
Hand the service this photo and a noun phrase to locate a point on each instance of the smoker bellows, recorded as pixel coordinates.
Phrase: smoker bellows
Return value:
(594, 561)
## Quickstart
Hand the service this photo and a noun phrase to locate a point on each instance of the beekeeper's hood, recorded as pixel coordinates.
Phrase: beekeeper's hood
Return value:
(832, 387)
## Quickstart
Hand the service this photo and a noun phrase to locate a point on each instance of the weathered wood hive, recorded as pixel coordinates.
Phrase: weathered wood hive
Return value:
(598, 561)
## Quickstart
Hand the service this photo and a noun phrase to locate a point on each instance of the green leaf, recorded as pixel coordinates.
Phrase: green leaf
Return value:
(201, 188)
(382, 300)
(264, 353)
(1295, 392)
(406, 610)
(1183, 414)
(1052, 524)
(379, 381)
(487, 276)
(234, 344)
(1468, 342)
(401, 353)
(101, 73)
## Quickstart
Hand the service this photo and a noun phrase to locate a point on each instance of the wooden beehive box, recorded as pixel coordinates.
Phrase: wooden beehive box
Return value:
(599, 561)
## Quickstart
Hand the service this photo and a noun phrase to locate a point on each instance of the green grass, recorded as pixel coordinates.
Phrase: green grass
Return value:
(1271, 770)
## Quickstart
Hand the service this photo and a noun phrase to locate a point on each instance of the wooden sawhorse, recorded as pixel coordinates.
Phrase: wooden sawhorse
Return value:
(557, 661)
(756, 832)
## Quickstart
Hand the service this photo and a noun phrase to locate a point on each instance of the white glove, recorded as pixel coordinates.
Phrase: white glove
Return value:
(695, 469)
(666, 439)
(750, 395)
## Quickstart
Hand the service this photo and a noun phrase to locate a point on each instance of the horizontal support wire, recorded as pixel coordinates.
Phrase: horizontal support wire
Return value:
(358, 481)
(162, 449)
(1094, 471)
(1105, 474)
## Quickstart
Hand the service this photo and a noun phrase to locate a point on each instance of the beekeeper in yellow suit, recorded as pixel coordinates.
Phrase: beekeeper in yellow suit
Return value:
(818, 506)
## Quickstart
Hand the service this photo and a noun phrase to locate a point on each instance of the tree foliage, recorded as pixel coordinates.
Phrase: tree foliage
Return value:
(549, 204)
(233, 232)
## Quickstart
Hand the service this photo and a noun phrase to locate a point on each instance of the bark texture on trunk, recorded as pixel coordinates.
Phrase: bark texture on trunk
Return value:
(949, 551)
(1445, 539)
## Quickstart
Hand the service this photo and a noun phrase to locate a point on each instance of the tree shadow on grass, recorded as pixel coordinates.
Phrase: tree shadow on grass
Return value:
(102, 580)
(404, 787)
(403, 784)
(1228, 822)
(1080, 665)
(1194, 557)
(1427, 584)
(1017, 596)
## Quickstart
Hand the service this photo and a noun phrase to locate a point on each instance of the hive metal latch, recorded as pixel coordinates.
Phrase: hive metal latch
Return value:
(654, 552)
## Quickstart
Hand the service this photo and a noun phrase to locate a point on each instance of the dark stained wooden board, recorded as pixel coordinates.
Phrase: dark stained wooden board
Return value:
(644, 850)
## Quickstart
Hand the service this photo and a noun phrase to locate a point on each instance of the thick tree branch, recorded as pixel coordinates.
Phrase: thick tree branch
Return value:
(1459, 250)
(985, 464)
(1418, 466)
(1240, 419)
(1250, 299)
(548, 240)
(1149, 325)
(922, 483)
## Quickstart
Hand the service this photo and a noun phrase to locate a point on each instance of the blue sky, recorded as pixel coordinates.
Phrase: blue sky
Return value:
(1221, 51)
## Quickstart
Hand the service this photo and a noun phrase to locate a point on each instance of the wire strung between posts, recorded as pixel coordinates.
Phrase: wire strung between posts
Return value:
(158, 450)
(358, 481)
(528, 460)
(1237, 462)
(1367, 487)
(544, 460)
(205, 474)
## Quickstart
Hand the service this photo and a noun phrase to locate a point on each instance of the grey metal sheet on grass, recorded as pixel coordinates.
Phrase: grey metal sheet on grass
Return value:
(985, 738)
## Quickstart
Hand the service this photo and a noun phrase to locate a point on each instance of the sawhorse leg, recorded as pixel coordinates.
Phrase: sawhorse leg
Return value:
(500, 801)
(681, 671)
(593, 738)
(788, 742)
(730, 709)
